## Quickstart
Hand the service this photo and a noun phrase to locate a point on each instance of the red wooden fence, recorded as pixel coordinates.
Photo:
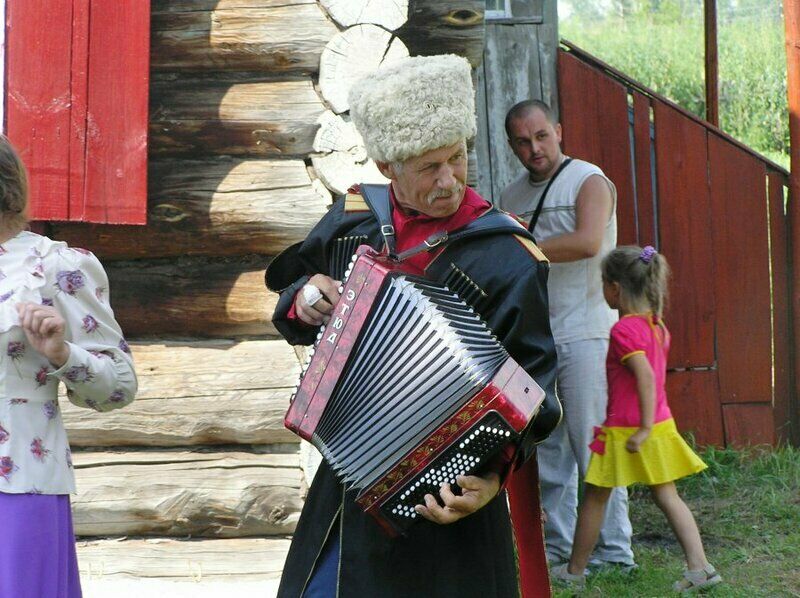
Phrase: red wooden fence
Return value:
(716, 209)
(76, 97)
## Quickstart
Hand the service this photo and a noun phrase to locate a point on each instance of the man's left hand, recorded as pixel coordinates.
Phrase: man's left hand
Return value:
(476, 492)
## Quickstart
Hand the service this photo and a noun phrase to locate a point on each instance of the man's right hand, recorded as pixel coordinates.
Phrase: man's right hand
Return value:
(319, 313)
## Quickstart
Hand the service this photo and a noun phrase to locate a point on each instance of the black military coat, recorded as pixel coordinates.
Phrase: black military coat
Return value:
(474, 556)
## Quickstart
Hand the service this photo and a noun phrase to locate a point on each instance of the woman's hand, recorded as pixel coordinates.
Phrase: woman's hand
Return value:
(636, 439)
(476, 492)
(44, 327)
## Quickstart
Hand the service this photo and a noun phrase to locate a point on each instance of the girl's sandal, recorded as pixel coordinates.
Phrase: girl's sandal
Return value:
(697, 580)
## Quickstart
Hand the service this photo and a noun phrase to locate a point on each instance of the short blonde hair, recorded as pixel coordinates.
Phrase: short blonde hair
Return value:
(13, 188)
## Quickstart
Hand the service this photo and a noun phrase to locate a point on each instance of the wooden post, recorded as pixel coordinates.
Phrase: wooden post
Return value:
(791, 15)
(712, 63)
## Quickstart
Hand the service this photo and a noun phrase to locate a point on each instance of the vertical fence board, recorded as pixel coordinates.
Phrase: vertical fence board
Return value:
(694, 401)
(79, 92)
(785, 410)
(748, 424)
(580, 136)
(38, 98)
(116, 177)
(644, 179)
(511, 71)
(741, 276)
(592, 108)
(684, 226)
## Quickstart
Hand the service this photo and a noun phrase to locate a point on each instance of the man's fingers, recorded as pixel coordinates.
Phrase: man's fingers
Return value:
(471, 482)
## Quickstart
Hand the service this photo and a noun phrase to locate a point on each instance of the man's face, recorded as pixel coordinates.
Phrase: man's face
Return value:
(535, 141)
(433, 183)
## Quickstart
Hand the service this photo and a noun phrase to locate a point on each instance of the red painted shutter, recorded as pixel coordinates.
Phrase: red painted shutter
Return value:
(76, 96)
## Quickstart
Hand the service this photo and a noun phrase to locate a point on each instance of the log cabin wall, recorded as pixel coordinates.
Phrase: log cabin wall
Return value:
(249, 143)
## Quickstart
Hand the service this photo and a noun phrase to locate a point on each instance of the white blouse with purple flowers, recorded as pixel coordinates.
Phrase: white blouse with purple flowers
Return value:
(34, 452)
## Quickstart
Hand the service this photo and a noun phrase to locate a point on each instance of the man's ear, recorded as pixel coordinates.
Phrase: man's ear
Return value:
(558, 132)
(386, 169)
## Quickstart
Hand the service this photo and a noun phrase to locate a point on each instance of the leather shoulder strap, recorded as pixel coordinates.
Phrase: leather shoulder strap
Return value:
(377, 198)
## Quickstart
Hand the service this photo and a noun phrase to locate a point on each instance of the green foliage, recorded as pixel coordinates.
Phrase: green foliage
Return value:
(660, 44)
(747, 505)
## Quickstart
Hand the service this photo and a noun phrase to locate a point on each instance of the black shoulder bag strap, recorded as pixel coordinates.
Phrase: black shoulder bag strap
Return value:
(540, 205)
(377, 198)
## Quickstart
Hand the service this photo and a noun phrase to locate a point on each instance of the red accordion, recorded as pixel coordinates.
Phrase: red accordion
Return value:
(406, 388)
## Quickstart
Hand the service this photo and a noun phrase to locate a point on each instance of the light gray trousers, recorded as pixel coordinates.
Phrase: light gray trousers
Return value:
(582, 389)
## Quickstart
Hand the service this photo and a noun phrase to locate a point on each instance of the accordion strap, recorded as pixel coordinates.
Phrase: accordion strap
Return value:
(492, 222)
(377, 198)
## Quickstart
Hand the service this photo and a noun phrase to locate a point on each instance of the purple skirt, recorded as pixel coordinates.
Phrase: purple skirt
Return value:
(37, 547)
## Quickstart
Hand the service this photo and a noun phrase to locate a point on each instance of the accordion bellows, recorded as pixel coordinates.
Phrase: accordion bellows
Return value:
(407, 388)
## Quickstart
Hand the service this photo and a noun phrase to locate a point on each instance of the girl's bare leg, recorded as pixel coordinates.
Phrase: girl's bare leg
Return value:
(590, 519)
(682, 522)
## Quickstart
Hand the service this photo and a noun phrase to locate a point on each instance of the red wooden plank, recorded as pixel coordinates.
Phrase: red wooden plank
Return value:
(578, 108)
(644, 179)
(615, 151)
(594, 119)
(116, 175)
(79, 94)
(748, 424)
(684, 223)
(38, 98)
(785, 409)
(693, 400)
(741, 273)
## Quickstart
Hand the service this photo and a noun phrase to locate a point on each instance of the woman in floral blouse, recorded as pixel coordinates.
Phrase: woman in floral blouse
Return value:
(56, 324)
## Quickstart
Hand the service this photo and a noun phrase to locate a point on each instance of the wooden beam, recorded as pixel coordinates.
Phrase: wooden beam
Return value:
(230, 113)
(223, 495)
(791, 14)
(712, 63)
(266, 36)
(183, 560)
(223, 206)
(192, 297)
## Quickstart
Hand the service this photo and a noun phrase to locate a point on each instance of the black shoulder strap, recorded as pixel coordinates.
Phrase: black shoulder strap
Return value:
(377, 198)
(540, 205)
(491, 223)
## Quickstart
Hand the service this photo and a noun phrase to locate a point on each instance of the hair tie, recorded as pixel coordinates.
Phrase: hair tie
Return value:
(647, 254)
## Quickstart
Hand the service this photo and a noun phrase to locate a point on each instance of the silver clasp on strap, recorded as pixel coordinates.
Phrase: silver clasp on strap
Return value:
(436, 239)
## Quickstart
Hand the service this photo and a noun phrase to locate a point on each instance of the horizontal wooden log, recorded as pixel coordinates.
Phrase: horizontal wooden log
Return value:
(238, 559)
(192, 297)
(201, 116)
(239, 417)
(445, 26)
(260, 36)
(350, 55)
(224, 206)
(214, 392)
(180, 493)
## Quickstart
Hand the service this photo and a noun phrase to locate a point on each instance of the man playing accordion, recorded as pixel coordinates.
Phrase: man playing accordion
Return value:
(416, 116)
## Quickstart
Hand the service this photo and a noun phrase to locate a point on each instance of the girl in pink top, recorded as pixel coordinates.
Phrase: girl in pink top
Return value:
(638, 441)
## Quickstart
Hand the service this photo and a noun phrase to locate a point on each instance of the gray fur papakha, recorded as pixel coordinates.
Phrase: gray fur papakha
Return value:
(413, 106)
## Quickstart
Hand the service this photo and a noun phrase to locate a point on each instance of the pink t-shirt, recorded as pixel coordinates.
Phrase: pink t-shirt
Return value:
(636, 334)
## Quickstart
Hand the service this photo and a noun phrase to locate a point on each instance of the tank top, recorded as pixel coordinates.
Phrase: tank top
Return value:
(578, 310)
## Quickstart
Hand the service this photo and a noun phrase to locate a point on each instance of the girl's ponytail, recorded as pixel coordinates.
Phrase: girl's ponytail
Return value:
(655, 284)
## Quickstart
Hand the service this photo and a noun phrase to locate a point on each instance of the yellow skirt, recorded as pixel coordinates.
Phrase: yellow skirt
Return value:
(662, 458)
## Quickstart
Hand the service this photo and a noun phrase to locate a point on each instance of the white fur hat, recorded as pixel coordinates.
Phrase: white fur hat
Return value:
(414, 105)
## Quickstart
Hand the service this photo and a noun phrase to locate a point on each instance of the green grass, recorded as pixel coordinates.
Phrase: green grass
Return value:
(747, 504)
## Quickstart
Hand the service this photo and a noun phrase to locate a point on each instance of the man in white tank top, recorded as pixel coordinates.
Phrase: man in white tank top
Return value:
(575, 228)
